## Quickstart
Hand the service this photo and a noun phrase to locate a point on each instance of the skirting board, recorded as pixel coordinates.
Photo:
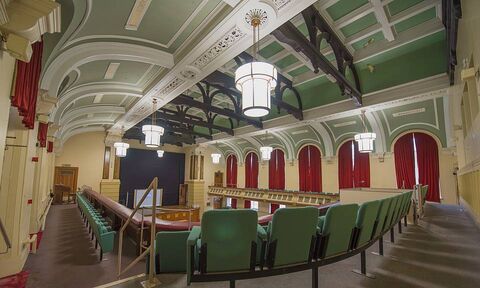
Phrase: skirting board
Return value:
(469, 211)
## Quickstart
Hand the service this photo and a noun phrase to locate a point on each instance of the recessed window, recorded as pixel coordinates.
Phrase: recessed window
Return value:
(229, 202)
(254, 205)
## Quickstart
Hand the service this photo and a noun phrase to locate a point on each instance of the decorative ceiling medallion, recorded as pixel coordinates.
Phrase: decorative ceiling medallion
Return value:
(343, 124)
(256, 15)
(219, 47)
(265, 11)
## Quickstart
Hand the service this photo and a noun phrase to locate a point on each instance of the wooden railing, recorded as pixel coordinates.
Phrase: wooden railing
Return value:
(295, 198)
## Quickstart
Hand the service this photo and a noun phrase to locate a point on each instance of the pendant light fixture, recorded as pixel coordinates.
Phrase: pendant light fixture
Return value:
(256, 79)
(152, 132)
(216, 158)
(121, 147)
(365, 140)
(266, 152)
(160, 153)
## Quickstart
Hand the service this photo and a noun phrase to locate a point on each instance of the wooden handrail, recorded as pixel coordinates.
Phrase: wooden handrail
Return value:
(152, 281)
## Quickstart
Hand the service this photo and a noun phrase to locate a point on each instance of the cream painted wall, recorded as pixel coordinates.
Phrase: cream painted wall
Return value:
(85, 151)
(468, 147)
(7, 68)
(382, 174)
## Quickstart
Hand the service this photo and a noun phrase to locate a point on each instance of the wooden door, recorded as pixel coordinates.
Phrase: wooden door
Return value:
(66, 176)
(218, 181)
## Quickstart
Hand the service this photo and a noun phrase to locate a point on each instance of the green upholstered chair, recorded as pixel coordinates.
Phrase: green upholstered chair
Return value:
(424, 191)
(226, 242)
(366, 222)
(170, 252)
(382, 215)
(336, 230)
(291, 236)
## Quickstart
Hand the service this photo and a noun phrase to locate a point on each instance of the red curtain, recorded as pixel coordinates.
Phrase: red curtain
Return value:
(231, 171)
(428, 170)
(42, 134)
(361, 168)
(26, 86)
(234, 203)
(405, 161)
(274, 207)
(247, 203)
(345, 166)
(310, 169)
(276, 170)
(251, 170)
(50, 147)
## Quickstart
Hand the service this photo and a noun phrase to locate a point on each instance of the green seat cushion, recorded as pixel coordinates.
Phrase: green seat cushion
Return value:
(366, 218)
(228, 236)
(338, 228)
(171, 250)
(293, 230)
(382, 215)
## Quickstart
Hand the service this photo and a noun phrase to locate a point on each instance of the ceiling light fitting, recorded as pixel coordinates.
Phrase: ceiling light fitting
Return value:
(152, 132)
(366, 139)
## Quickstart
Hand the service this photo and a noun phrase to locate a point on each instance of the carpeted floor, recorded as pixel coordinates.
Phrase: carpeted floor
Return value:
(443, 251)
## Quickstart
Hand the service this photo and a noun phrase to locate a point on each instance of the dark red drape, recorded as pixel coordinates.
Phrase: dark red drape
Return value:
(50, 147)
(428, 170)
(42, 134)
(345, 166)
(26, 85)
(246, 204)
(274, 207)
(310, 169)
(231, 171)
(405, 161)
(234, 203)
(276, 170)
(361, 168)
(251, 170)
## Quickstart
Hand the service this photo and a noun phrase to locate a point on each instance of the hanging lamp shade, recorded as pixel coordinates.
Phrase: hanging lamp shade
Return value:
(152, 135)
(160, 153)
(255, 80)
(266, 152)
(216, 158)
(121, 148)
(365, 141)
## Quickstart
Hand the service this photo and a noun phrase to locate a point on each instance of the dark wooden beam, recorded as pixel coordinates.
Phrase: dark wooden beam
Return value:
(172, 115)
(452, 12)
(190, 102)
(177, 128)
(289, 34)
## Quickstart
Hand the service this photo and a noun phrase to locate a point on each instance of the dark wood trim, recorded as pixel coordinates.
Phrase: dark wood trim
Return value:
(116, 168)
(106, 163)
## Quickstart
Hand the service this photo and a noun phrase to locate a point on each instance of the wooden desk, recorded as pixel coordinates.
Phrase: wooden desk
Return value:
(178, 213)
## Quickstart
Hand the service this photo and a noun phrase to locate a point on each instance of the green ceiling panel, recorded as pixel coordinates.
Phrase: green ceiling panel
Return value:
(303, 28)
(372, 39)
(299, 71)
(398, 6)
(359, 25)
(415, 20)
(270, 50)
(113, 99)
(286, 61)
(159, 24)
(343, 7)
(414, 61)
(128, 72)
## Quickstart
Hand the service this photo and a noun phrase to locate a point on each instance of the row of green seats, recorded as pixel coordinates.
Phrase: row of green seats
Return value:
(230, 245)
(98, 226)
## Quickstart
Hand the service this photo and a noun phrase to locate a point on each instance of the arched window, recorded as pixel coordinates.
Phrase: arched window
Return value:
(276, 170)
(416, 162)
(231, 171)
(310, 169)
(251, 170)
(353, 166)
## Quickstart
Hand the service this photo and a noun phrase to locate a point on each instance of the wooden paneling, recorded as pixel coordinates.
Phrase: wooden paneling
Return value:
(201, 167)
(66, 176)
(116, 168)
(218, 181)
(106, 163)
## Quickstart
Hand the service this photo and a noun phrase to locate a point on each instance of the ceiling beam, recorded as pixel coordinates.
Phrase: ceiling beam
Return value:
(190, 102)
(288, 33)
(172, 115)
(383, 19)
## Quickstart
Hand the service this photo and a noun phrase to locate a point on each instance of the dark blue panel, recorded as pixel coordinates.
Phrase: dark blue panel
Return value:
(139, 168)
